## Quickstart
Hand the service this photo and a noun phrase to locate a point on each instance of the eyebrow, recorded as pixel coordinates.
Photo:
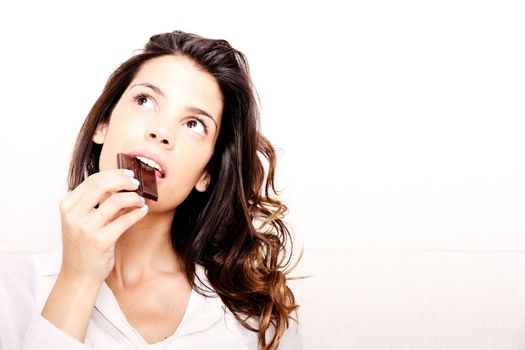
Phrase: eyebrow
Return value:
(161, 93)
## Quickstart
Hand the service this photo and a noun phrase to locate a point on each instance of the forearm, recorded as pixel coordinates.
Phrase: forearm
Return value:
(70, 304)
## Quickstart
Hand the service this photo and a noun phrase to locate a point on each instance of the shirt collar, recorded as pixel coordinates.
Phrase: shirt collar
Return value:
(202, 312)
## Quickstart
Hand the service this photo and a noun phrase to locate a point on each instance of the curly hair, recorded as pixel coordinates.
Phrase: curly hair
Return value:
(235, 229)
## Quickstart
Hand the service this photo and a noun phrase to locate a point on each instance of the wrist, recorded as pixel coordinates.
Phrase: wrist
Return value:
(71, 302)
(79, 280)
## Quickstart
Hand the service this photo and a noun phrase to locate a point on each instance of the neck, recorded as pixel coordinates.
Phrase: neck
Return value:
(145, 252)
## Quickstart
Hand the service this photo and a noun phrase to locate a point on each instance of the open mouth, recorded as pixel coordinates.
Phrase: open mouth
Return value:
(158, 169)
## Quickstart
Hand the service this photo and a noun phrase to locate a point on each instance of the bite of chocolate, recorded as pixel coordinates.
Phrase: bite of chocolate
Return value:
(143, 172)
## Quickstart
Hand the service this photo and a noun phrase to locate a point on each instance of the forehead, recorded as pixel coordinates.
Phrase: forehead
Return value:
(182, 82)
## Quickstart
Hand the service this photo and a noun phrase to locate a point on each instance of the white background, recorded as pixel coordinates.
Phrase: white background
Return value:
(399, 127)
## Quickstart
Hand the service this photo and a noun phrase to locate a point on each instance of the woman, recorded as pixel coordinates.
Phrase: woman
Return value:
(204, 266)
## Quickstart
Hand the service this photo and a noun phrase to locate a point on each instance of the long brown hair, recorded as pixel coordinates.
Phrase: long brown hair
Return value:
(235, 229)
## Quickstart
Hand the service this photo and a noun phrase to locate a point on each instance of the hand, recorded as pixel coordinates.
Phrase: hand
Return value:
(89, 234)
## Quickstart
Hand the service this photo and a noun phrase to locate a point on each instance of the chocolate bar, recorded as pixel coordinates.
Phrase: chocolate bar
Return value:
(143, 172)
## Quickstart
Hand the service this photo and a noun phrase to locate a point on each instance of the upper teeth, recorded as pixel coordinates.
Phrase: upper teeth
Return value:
(150, 162)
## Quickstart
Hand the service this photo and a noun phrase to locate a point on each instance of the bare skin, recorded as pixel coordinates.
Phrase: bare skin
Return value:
(153, 303)
(155, 307)
(122, 242)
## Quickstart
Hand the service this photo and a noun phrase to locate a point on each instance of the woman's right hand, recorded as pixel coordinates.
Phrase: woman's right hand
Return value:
(89, 234)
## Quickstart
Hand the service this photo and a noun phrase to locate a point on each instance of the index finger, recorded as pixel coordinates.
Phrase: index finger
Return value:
(96, 186)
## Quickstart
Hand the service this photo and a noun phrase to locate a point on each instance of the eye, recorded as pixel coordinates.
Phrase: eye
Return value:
(197, 126)
(144, 100)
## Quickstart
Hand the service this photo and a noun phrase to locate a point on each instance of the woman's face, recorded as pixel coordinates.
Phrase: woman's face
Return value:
(170, 113)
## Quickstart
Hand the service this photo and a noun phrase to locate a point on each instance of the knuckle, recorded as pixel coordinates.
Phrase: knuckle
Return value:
(68, 219)
(65, 202)
(91, 178)
(98, 185)
(63, 205)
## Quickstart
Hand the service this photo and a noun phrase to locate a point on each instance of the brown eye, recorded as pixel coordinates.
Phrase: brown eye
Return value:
(197, 126)
(144, 101)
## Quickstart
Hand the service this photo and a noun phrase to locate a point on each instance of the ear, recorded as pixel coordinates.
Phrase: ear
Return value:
(100, 133)
(204, 182)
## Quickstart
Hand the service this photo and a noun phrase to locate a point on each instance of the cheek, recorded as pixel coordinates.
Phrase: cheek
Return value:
(115, 141)
(195, 163)
(106, 160)
(190, 164)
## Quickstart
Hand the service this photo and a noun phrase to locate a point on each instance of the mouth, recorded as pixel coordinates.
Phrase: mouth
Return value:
(153, 160)
(159, 172)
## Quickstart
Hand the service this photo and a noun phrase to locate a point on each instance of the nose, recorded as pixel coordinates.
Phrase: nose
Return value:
(160, 135)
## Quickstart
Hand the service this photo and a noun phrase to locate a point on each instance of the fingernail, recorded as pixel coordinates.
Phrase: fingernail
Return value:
(144, 208)
(128, 172)
(142, 199)
(135, 182)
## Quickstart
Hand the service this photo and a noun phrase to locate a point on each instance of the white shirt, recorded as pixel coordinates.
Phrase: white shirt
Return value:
(25, 284)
